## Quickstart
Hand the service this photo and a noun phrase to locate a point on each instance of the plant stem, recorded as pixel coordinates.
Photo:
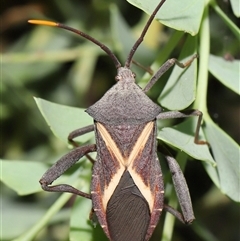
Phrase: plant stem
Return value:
(32, 232)
(204, 49)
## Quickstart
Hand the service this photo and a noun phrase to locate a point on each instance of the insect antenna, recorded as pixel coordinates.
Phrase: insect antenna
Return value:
(84, 35)
(140, 39)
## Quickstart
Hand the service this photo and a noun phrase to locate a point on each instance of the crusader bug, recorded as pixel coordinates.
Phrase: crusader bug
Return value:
(127, 189)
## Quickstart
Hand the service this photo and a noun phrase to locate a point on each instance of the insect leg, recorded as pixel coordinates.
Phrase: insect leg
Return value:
(61, 166)
(80, 132)
(165, 67)
(174, 212)
(184, 114)
(181, 191)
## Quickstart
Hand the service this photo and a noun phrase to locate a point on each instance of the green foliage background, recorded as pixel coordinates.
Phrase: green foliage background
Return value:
(57, 66)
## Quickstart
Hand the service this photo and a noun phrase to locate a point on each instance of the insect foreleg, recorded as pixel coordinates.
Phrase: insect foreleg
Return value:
(185, 114)
(61, 166)
(164, 68)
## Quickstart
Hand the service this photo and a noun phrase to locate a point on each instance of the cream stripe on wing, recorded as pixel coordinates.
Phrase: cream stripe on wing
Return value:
(127, 163)
(113, 149)
(111, 145)
(141, 142)
(137, 149)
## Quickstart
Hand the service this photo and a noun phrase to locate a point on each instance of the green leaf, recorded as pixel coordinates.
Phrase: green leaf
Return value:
(235, 7)
(182, 137)
(22, 176)
(226, 153)
(180, 89)
(63, 119)
(225, 71)
(25, 215)
(182, 15)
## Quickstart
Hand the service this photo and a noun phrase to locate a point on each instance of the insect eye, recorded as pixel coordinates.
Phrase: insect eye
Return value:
(117, 78)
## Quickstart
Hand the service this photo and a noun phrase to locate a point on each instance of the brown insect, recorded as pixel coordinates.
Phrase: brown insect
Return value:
(127, 189)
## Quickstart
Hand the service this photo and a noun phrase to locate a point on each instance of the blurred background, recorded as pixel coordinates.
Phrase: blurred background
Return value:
(60, 67)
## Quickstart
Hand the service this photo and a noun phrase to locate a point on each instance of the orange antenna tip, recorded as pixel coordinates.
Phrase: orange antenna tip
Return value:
(43, 22)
